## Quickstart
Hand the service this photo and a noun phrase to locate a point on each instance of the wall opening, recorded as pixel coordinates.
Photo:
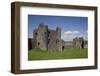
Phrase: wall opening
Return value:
(62, 47)
(38, 43)
(36, 33)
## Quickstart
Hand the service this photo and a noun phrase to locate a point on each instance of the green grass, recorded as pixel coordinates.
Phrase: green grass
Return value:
(73, 53)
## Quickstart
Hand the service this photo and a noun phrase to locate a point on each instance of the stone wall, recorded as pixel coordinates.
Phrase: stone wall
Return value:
(40, 36)
(78, 42)
(54, 40)
(69, 44)
(47, 39)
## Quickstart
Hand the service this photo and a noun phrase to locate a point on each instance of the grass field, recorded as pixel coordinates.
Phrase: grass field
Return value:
(73, 53)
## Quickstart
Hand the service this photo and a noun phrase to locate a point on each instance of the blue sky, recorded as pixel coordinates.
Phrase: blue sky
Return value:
(71, 26)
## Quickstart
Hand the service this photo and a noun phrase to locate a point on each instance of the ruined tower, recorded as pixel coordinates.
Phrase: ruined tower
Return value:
(54, 40)
(78, 42)
(40, 37)
(47, 39)
(59, 41)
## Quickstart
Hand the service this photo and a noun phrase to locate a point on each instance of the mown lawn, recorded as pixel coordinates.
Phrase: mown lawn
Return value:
(73, 53)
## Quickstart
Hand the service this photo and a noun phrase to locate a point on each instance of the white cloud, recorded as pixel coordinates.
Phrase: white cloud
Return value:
(75, 32)
(71, 32)
(68, 32)
(70, 35)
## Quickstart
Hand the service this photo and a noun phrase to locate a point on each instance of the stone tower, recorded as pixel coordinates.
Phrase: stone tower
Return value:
(78, 42)
(47, 39)
(59, 41)
(40, 35)
(54, 40)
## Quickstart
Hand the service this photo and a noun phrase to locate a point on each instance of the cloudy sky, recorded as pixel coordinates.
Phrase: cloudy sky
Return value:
(71, 26)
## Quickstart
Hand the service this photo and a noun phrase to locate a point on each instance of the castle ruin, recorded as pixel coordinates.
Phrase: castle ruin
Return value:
(48, 39)
(78, 42)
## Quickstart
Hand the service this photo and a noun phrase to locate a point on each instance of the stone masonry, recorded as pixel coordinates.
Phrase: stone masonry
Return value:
(78, 42)
(48, 39)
